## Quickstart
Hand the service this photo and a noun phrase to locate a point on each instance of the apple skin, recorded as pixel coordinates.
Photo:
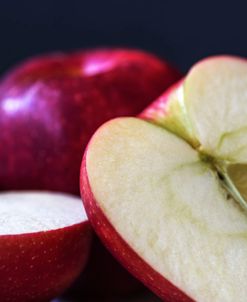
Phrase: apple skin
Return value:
(37, 267)
(120, 248)
(51, 105)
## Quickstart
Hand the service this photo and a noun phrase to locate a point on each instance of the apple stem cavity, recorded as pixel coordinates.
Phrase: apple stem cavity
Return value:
(231, 183)
(232, 177)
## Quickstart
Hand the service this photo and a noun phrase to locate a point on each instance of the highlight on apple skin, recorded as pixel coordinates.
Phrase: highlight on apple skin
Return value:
(168, 196)
(52, 105)
(45, 240)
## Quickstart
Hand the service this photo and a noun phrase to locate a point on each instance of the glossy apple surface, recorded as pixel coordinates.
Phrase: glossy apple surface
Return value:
(170, 200)
(44, 244)
(51, 105)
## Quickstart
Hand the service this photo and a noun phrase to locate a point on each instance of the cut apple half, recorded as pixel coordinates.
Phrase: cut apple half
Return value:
(44, 244)
(173, 212)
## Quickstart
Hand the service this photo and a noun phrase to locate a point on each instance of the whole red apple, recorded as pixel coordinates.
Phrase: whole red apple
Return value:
(51, 105)
(49, 108)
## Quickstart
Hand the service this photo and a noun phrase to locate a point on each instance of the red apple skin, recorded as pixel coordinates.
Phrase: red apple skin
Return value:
(120, 248)
(51, 105)
(37, 267)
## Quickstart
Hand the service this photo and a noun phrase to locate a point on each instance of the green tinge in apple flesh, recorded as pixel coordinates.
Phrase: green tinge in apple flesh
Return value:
(169, 112)
(208, 109)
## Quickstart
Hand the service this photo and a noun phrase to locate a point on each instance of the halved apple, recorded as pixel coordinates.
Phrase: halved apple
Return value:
(44, 244)
(170, 201)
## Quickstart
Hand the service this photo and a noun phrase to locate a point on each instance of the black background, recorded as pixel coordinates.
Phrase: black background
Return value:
(181, 31)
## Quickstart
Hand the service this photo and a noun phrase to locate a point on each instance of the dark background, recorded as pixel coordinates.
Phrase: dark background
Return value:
(181, 31)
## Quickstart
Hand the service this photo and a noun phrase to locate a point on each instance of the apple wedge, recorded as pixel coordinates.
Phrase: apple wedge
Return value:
(44, 244)
(168, 197)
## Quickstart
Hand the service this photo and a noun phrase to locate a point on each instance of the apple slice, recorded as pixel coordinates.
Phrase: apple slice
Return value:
(44, 244)
(173, 209)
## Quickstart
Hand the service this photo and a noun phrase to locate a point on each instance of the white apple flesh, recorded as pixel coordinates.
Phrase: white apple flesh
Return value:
(44, 244)
(171, 206)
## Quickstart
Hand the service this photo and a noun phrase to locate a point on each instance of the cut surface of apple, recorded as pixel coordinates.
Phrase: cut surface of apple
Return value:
(172, 210)
(220, 125)
(38, 212)
(44, 244)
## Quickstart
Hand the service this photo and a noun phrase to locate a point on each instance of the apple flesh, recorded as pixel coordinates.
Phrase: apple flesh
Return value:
(51, 105)
(44, 244)
(170, 204)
